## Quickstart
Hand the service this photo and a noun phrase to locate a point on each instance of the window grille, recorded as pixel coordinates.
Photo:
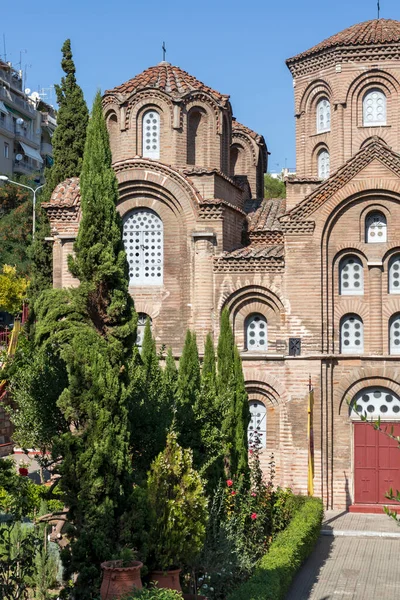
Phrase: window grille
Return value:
(257, 430)
(374, 109)
(323, 164)
(394, 274)
(375, 228)
(394, 334)
(351, 335)
(141, 325)
(376, 402)
(143, 241)
(323, 115)
(256, 332)
(351, 276)
(151, 134)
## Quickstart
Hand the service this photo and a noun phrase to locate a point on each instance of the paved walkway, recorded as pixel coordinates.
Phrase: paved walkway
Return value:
(356, 557)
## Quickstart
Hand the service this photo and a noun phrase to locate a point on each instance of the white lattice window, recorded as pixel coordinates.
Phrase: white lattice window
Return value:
(151, 134)
(375, 228)
(256, 332)
(143, 240)
(376, 402)
(257, 430)
(394, 274)
(351, 335)
(351, 276)
(324, 161)
(323, 115)
(374, 109)
(394, 334)
(141, 325)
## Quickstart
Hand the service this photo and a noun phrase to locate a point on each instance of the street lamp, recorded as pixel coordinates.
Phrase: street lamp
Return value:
(33, 190)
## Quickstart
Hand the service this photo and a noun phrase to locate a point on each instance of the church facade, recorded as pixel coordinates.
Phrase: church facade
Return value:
(312, 282)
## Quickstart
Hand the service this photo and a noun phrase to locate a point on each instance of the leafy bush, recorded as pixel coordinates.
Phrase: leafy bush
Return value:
(154, 593)
(275, 571)
(178, 508)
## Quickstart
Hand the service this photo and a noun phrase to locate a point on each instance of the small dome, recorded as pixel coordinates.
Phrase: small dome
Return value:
(378, 31)
(168, 78)
(67, 193)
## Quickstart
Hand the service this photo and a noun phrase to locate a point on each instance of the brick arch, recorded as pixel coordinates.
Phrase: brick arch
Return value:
(265, 384)
(314, 91)
(249, 146)
(146, 307)
(198, 136)
(139, 177)
(314, 155)
(374, 78)
(352, 305)
(201, 98)
(364, 377)
(391, 306)
(151, 98)
(237, 294)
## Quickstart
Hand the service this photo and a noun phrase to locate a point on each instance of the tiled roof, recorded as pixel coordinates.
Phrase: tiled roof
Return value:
(67, 193)
(266, 217)
(256, 251)
(378, 31)
(169, 79)
(236, 126)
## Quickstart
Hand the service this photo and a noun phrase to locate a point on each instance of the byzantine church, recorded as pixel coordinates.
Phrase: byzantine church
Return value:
(311, 282)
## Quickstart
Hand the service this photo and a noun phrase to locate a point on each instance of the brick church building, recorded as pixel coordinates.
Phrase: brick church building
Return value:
(312, 282)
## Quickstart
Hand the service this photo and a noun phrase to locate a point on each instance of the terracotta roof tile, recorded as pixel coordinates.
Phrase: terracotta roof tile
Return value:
(236, 126)
(377, 31)
(169, 79)
(67, 193)
(256, 251)
(266, 217)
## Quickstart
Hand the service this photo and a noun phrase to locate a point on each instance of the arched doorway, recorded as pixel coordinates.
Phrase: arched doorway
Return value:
(376, 455)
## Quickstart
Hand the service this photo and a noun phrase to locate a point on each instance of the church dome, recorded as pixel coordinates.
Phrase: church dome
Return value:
(368, 33)
(169, 79)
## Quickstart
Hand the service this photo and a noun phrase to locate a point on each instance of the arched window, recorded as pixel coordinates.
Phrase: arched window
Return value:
(394, 274)
(375, 228)
(143, 241)
(257, 430)
(351, 276)
(394, 334)
(151, 134)
(323, 115)
(141, 325)
(323, 164)
(255, 332)
(351, 335)
(376, 402)
(196, 137)
(374, 108)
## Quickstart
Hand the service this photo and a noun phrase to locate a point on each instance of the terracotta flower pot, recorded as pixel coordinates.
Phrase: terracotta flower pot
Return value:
(167, 579)
(119, 580)
(23, 471)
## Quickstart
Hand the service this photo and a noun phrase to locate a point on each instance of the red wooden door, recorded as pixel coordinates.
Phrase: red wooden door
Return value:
(376, 463)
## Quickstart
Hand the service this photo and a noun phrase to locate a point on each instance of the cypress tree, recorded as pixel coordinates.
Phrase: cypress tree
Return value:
(149, 407)
(170, 381)
(94, 328)
(211, 420)
(68, 144)
(232, 400)
(188, 389)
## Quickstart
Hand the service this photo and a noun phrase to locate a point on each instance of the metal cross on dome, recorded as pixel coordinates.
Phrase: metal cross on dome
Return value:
(379, 8)
(164, 49)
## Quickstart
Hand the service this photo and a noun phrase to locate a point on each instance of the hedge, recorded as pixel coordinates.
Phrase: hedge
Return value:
(275, 571)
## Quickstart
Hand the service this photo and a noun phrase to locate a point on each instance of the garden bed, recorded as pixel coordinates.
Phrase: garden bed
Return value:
(275, 571)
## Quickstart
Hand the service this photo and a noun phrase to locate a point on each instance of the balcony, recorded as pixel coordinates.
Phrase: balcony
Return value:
(18, 102)
(46, 149)
(26, 166)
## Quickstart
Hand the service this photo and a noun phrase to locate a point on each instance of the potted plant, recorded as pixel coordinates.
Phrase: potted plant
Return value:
(120, 576)
(154, 593)
(178, 510)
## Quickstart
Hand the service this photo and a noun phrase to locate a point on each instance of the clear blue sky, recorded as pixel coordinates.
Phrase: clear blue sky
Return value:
(238, 48)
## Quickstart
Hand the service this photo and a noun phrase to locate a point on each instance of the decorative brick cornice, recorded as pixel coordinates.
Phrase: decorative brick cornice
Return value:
(214, 209)
(205, 171)
(249, 265)
(374, 150)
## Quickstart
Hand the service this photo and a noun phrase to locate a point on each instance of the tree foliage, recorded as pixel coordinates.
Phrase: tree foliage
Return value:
(273, 187)
(68, 144)
(178, 507)
(12, 290)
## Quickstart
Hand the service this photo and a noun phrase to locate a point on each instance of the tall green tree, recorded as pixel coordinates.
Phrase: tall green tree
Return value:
(233, 400)
(188, 389)
(68, 147)
(209, 414)
(273, 187)
(93, 328)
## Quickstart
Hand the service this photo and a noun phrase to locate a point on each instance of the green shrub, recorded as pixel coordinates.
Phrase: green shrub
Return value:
(154, 593)
(275, 571)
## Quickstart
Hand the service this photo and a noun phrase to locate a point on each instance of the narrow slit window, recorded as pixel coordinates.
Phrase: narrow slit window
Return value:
(394, 274)
(324, 161)
(257, 430)
(351, 335)
(323, 115)
(151, 134)
(351, 276)
(375, 228)
(394, 334)
(256, 333)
